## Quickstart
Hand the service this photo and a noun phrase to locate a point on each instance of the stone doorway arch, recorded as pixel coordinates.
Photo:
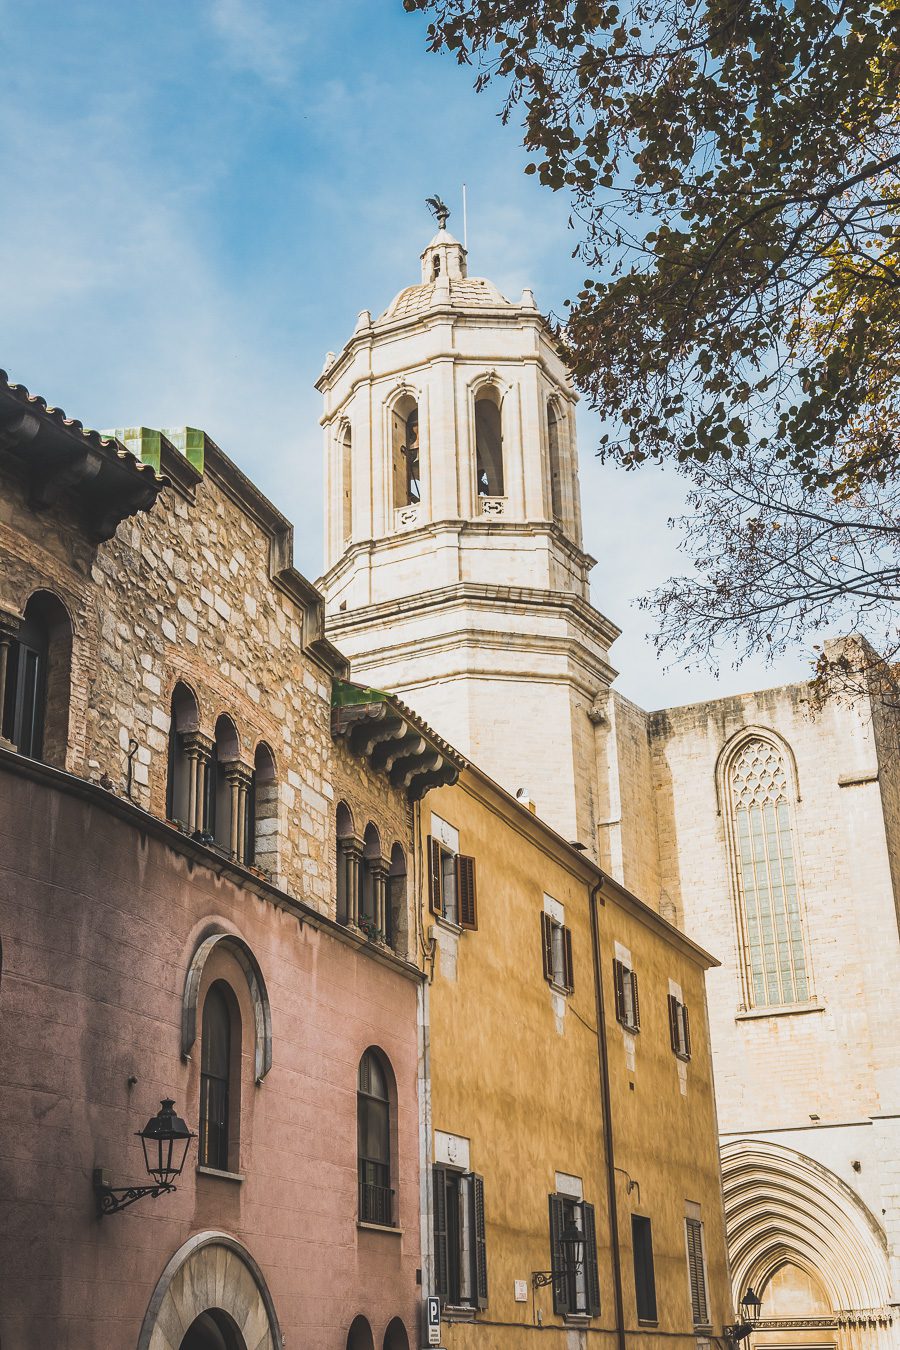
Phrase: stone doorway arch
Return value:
(211, 1288)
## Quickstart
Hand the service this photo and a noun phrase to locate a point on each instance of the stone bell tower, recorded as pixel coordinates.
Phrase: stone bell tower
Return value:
(455, 573)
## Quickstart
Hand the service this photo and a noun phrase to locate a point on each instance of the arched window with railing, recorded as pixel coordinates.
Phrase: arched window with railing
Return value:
(757, 784)
(220, 1058)
(374, 1126)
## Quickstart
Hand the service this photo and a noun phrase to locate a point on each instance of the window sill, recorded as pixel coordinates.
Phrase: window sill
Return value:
(449, 924)
(685, 1059)
(219, 1172)
(576, 1319)
(560, 988)
(648, 1321)
(632, 1031)
(379, 1227)
(780, 1010)
(458, 1312)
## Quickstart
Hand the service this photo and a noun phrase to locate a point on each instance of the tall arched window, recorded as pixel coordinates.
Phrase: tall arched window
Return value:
(372, 883)
(35, 677)
(407, 473)
(261, 827)
(222, 807)
(346, 862)
(181, 786)
(759, 800)
(488, 444)
(219, 1077)
(553, 444)
(346, 484)
(395, 910)
(373, 1117)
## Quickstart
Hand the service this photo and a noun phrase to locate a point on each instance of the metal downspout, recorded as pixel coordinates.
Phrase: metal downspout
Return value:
(607, 1122)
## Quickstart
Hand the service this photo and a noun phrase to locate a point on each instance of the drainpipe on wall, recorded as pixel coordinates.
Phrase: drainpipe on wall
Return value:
(607, 1122)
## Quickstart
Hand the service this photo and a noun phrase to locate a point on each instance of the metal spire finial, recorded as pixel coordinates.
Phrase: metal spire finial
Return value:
(437, 208)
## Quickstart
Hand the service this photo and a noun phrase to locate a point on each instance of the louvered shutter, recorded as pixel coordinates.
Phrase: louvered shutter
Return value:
(695, 1270)
(636, 1019)
(591, 1276)
(567, 957)
(619, 986)
(687, 1030)
(465, 891)
(673, 1023)
(557, 1260)
(441, 1252)
(435, 888)
(479, 1247)
(547, 945)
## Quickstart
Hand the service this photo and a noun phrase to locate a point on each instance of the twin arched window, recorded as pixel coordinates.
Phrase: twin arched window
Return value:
(211, 792)
(371, 891)
(761, 829)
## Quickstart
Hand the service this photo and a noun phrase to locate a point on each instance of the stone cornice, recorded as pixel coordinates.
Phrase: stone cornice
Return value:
(200, 855)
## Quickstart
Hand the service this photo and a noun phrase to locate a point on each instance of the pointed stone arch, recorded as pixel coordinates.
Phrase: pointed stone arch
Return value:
(259, 997)
(210, 1272)
(782, 1206)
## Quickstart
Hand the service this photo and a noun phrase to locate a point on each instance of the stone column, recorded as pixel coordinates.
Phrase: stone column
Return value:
(198, 749)
(9, 627)
(352, 851)
(240, 781)
(380, 870)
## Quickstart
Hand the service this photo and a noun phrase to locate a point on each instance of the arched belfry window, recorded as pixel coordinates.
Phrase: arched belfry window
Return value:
(488, 443)
(407, 473)
(766, 874)
(346, 484)
(554, 429)
(373, 1114)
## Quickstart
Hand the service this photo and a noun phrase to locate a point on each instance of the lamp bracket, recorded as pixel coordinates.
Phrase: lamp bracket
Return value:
(738, 1331)
(110, 1199)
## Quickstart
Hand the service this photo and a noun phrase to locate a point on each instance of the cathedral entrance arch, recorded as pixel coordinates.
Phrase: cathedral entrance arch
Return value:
(211, 1296)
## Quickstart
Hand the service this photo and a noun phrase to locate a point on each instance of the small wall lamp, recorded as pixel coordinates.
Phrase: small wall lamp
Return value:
(751, 1304)
(166, 1140)
(571, 1244)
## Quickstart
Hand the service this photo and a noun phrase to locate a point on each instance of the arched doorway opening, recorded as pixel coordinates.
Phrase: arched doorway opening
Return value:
(395, 1337)
(360, 1337)
(213, 1330)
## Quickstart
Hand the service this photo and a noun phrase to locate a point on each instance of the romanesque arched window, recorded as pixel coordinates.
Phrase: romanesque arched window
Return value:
(373, 1113)
(220, 1059)
(488, 443)
(766, 874)
(35, 675)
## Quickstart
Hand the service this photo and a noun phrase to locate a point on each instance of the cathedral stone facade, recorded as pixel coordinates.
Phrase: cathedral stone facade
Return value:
(456, 576)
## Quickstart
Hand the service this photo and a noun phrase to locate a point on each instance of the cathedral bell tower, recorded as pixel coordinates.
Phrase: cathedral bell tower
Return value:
(455, 573)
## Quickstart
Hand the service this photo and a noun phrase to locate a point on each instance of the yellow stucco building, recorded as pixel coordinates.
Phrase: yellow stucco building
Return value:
(575, 1188)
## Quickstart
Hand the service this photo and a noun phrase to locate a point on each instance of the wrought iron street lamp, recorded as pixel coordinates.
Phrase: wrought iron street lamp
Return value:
(571, 1244)
(166, 1140)
(751, 1304)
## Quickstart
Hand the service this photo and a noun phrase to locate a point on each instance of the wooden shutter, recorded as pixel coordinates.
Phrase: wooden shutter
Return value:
(687, 1030)
(569, 978)
(557, 1260)
(695, 1270)
(591, 1276)
(636, 1019)
(673, 1023)
(435, 886)
(619, 986)
(441, 1251)
(479, 1247)
(547, 945)
(465, 891)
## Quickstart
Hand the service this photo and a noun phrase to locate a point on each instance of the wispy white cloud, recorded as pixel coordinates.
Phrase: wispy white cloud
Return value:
(253, 39)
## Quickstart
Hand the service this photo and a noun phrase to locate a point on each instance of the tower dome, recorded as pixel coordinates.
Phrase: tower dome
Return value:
(454, 568)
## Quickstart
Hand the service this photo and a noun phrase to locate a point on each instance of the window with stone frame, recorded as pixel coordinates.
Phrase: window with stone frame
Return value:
(451, 885)
(679, 1027)
(556, 947)
(576, 1284)
(625, 985)
(696, 1260)
(769, 899)
(460, 1246)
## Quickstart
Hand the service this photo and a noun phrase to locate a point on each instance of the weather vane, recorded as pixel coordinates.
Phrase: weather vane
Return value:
(438, 210)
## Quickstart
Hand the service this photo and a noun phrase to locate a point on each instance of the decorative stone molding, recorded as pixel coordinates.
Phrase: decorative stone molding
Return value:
(259, 997)
(493, 506)
(405, 516)
(211, 1270)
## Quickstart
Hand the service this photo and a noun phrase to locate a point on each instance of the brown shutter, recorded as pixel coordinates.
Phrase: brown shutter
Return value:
(687, 1030)
(695, 1269)
(567, 957)
(465, 891)
(441, 1250)
(557, 1258)
(479, 1246)
(591, 1276)
(547, 945)
(634, 999)
(673, 1023)
(619, 986)
(435, 888)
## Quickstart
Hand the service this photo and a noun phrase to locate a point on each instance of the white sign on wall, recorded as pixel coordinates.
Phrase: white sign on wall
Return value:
(433, 1319)
(521, 1291)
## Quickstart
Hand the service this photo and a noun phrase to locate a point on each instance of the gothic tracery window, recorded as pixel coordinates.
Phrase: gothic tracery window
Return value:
(766, 875)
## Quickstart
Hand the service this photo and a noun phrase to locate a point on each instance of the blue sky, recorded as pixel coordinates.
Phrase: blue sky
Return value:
(199, 198)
